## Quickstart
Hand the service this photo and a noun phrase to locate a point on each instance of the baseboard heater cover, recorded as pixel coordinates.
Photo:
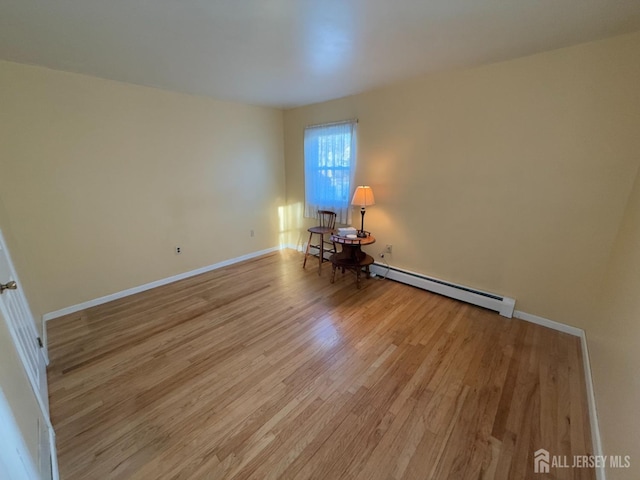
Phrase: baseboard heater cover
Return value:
(503, 305)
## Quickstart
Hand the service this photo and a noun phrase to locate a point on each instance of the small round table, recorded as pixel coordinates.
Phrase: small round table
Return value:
(351, 257)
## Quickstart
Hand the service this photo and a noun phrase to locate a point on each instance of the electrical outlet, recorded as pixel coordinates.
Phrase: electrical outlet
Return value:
(178, 250)
(388, 249)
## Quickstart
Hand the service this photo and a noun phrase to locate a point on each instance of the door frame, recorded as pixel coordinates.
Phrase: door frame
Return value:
(23, 359)
(34, 331)
(15, 458)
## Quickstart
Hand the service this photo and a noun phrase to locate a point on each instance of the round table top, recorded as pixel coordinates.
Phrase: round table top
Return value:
(353, 241)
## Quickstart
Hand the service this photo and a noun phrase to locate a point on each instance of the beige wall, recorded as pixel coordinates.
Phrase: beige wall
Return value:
(510, 177)
(19, 260)
(100, 181)
(614, 341)
(514, 178)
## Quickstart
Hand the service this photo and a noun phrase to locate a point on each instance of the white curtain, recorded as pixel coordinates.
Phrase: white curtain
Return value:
(329, 166)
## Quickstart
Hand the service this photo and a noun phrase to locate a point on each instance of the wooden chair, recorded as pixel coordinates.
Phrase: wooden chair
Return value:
(327, 224)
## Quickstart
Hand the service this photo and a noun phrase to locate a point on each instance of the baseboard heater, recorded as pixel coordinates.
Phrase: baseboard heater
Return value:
(503, 305)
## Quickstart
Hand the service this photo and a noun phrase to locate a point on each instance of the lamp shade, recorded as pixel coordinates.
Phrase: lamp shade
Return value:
(363, 196)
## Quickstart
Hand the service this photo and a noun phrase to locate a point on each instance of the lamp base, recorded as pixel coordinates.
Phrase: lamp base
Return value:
(363, 234)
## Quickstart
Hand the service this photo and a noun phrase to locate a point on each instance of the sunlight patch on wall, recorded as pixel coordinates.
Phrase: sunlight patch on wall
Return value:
(290, 218)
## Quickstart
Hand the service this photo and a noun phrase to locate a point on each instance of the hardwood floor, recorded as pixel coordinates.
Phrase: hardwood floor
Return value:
(263, 370)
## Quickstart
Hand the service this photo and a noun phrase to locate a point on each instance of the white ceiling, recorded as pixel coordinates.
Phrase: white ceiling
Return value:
(286, 53)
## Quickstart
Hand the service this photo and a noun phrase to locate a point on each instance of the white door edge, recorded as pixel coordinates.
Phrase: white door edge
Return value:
(36, 387)
(15, 458)
(35, 384)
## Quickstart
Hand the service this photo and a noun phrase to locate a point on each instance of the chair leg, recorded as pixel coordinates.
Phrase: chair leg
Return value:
(321, 259)
(306, 252)
(333, 273)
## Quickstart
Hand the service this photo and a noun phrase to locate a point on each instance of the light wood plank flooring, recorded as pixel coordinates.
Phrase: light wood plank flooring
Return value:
(262, 370)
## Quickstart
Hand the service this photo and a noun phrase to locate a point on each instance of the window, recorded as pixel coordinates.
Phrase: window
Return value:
(329, 165)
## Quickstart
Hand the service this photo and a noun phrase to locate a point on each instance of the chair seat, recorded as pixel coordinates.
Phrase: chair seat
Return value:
(321, 230)
(327, 222)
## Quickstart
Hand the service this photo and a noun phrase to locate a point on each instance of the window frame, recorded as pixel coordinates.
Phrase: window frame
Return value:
(314, 152)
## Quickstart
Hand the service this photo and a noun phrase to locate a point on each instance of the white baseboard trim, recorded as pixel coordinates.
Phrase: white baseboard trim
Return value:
(148, 286)
(545, 322)
(591, 397)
